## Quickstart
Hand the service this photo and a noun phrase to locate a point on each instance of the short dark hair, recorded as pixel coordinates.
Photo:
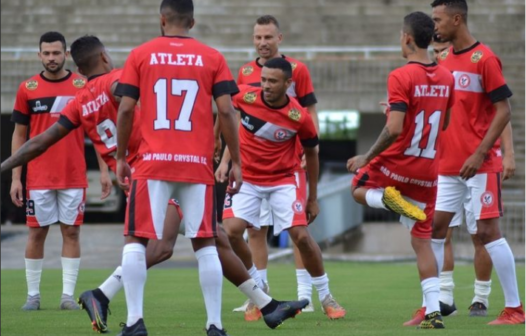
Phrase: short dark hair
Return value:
(457, 6)
(178, 12)
(51, 37)
(83, 51)
(421, 27)
(266, 20)
(280, 63)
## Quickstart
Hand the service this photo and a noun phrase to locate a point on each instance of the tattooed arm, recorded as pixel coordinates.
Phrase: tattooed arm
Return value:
(389, 134)
(35, 147)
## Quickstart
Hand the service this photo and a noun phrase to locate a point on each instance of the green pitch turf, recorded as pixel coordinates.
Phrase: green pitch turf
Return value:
(378, 299)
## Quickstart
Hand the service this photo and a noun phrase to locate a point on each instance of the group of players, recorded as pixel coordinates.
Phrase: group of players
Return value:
(161, 157)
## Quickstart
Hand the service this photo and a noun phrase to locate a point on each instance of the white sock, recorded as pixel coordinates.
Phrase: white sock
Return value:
(431, 290)
(322, 286)
(70, 272)
(304, 284)
(423, 300)
(254, 293)
(113, 284)
(134, 279)
(482, 291)
(211, 279)
(504, 265)
(33, 274)
(373, 198)
(254, 274)
(438, 250)
(263, 275)
(446, 287)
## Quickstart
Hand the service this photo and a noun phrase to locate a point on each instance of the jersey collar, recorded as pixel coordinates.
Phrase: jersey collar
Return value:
(273, 107)
(465, 50)
(56, 80)
(259, 65)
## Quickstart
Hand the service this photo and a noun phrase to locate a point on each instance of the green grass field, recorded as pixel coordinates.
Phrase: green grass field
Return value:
(378, 299)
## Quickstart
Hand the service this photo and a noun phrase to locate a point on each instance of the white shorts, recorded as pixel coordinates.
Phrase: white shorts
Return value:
(481, 194)
(48, 206)
(287, 208)
(149, 199)
(465, 213)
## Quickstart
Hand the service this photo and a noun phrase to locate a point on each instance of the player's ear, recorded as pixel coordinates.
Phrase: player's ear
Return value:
(192, 23)
(280, 37)
(80, 72)
(67, 53)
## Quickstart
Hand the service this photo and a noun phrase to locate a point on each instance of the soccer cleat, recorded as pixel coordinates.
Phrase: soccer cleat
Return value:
(252, 313)
(68, 303)
(478, 309)
(394, 201)
(214, 331)
(97, 311)
(331, 308)
(309, 308)
(32, 302)
(138, 329)
(448, 310)
(510, 316)
(418, 317)
(284, 311)
(432, 321)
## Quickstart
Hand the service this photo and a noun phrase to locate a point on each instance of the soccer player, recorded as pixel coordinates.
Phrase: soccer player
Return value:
(56, 184)
(266, 38)
(271, 123)
(403, 159)
(471, 161)
(94, 109)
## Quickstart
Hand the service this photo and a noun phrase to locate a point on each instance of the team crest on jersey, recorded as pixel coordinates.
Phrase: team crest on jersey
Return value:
(247, 70)
(31, 85)
(294, 114)
(250, 97)
(477, 55)
(487, 199)
(464, 81)
(297, 206)
(79, 83)
(444, 54)
(280, 134)
(293, 65)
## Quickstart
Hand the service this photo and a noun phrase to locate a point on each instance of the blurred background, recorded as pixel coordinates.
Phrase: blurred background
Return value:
(349, 47)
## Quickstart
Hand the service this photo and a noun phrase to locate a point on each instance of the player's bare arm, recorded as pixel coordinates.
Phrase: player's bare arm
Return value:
(508, 155)
(447, 117)
(105, 178)
(501, 119)
(19, 138)
(389, 134)
(124, 128)
(218, 145)
(313, 166)
(222, 169)
(35, 147)
(229, 129)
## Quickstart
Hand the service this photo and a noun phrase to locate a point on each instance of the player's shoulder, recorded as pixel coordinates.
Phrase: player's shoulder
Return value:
(295, 111)
(482, 53)
(248, 68)
(296, 65)
(248, 94)
(78, 81)
(30, 84)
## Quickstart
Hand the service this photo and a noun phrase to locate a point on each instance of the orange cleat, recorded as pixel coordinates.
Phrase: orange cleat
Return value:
(418, 317)
(510, 316)
(252, 313)
(332, 309)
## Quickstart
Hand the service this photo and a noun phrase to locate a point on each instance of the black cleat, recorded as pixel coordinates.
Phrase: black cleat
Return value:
(432, 321)
(447, 310)
(478, 309)
(97, 311)
(284, 311)
(213, 331)
(138, 329)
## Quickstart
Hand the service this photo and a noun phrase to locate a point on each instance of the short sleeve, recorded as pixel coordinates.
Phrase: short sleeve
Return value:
(304, 88)
(20, 111)
(70, 116)
(224, 83)
(129, 81)
(307, 131)
(398, 93)
(493, 80)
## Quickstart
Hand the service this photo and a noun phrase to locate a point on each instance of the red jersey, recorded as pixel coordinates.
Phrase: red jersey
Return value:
(38, 104)
(268, 136)
(176, 79)
(424, 93)
(479, 84)
(95, 110)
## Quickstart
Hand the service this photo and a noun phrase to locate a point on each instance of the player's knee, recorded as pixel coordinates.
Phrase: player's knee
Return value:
(71, 233)
(37, 236)
(301, 238)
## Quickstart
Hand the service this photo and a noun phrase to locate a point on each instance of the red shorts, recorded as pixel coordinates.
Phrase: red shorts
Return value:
(148, 201)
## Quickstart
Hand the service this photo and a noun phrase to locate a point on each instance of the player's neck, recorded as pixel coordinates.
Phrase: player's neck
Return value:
(176, 31)
(420, 56)
(263, 60)
(463, 40)
(54, 76)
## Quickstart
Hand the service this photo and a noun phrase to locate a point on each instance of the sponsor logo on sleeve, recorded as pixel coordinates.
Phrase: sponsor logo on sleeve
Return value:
(79, 83)
(294, 114)
(250, 97)
(247, 70)
(31, 85)
(444, 54)
(477, 55)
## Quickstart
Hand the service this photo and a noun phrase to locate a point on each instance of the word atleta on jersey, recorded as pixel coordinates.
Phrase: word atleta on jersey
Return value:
(175, 79)
(479, 84)
(267, 137)
(95, 110)
(39, 102)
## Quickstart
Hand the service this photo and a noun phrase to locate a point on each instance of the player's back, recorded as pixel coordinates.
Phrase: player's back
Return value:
(176, 79)
(425, 93)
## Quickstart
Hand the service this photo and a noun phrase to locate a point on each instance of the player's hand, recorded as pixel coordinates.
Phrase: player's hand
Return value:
(123, 175)
(312, 210)
(355, 163)
(508, 167)
(221, 172)
(385, 106)
(17, 193)
(106, 185)
(218, 145)
(235, 180)
(471, 166)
